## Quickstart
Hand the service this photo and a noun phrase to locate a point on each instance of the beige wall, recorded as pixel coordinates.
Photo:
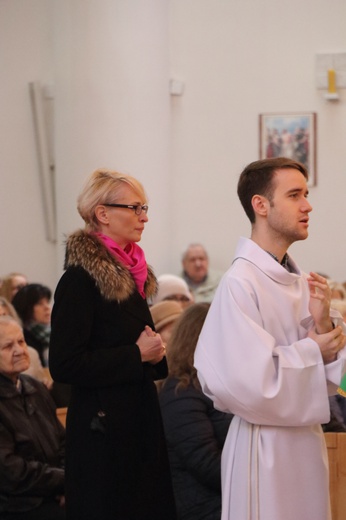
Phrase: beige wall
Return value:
(110, 62)
(240, 58)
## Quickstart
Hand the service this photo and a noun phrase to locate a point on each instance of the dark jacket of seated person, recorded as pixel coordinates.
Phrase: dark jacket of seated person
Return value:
(32, 440)
(195, 430)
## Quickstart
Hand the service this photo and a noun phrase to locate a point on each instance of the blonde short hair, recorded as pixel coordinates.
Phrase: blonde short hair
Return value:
(102, 187)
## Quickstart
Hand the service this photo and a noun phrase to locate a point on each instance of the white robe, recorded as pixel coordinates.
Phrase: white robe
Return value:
(254, 359)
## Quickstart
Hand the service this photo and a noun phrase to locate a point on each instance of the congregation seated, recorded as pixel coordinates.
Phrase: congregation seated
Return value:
(337, 289)
(339, 305)
(195, 431)
(11, 283)
(172, 288)
(35, 369)
(164, 316)
(32, 440)
(201, 279)
(32, 304)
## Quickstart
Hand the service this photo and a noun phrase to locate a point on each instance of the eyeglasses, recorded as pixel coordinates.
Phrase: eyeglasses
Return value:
(137, 209)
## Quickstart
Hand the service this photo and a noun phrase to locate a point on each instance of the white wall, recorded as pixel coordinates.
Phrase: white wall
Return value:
(110, 62)
(25, 56)
(240, 58)
(112, 105)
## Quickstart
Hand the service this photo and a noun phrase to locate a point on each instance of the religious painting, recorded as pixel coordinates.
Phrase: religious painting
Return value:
(291, 135)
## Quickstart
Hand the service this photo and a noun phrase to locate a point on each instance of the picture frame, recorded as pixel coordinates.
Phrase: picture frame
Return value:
(291, 135)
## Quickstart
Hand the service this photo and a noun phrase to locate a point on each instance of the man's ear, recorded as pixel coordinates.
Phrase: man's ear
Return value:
(102, 214)
(260, 205)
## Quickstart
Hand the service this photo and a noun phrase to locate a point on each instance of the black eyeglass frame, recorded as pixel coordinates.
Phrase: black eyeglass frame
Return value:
(136, 208)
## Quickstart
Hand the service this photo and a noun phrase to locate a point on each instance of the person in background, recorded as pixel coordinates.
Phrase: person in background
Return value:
(270, 351)
(338, 291)
(103, 343)
(202, 280)
(340, 306)
(35, 369)
(195, 431)
(11, 284)
(32, 440)
(32, 303)
(164, 316)
(172, 288)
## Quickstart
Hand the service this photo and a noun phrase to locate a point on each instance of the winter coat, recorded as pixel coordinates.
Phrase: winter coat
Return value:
(195, 434)
(32, 446)
(116, 461)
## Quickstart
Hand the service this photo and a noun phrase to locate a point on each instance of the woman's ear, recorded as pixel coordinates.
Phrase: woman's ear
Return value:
(260, 205)
(102, 214)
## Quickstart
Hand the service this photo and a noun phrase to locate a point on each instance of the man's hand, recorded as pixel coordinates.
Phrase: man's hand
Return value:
(319, 305)
(330, 343)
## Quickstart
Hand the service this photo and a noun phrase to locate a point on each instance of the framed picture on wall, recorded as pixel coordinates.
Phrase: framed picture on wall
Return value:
(290, 135)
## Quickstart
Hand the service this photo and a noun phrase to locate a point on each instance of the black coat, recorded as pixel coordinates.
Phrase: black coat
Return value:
(195, 434)
(32, 446)
(116, 460)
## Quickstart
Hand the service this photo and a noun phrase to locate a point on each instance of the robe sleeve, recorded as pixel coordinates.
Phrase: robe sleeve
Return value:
(245, 371)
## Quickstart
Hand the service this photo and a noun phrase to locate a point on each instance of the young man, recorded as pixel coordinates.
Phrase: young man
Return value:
(271, 351)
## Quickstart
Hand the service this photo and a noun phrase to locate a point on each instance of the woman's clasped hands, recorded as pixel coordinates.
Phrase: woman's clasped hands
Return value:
(151, 347)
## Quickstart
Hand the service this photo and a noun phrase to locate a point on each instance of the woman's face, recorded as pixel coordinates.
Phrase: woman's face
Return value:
(42, 311)
(122, 224)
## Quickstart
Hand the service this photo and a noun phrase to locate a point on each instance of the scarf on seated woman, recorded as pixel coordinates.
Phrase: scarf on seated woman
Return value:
(132, 257)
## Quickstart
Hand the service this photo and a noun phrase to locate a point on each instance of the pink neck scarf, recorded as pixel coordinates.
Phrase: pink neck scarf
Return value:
(132, 257)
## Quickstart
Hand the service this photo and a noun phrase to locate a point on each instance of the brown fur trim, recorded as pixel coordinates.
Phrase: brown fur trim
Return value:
(113, 279)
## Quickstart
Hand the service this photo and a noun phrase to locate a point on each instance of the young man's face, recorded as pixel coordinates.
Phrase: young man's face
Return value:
(288, 210)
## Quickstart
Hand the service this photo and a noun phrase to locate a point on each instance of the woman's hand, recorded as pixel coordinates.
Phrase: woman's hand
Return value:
(151, 347)
(319, 305)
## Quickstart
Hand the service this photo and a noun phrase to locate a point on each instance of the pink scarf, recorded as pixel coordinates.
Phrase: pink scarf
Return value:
(132, 257)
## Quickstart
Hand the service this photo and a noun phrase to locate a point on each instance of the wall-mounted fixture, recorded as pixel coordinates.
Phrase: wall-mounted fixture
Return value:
(41, 98)
(331, 73)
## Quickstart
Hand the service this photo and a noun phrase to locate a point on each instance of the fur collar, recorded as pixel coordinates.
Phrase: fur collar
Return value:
(114, 281)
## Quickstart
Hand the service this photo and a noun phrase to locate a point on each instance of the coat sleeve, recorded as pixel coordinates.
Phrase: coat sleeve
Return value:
(244, 370)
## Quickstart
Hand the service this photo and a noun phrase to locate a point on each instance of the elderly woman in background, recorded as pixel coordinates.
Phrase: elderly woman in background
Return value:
(32, 439)
(35, 369)
(103, 343)
(195, 431)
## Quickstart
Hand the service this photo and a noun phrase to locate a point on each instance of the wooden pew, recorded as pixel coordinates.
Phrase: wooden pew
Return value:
(336, 446)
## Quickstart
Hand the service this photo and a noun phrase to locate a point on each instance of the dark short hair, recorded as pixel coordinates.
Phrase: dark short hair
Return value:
(27, 297)
(257, 179)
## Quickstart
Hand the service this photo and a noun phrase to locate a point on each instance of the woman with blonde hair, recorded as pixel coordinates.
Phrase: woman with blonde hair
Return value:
(11, 283)
(195, 431)
(103, 343)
